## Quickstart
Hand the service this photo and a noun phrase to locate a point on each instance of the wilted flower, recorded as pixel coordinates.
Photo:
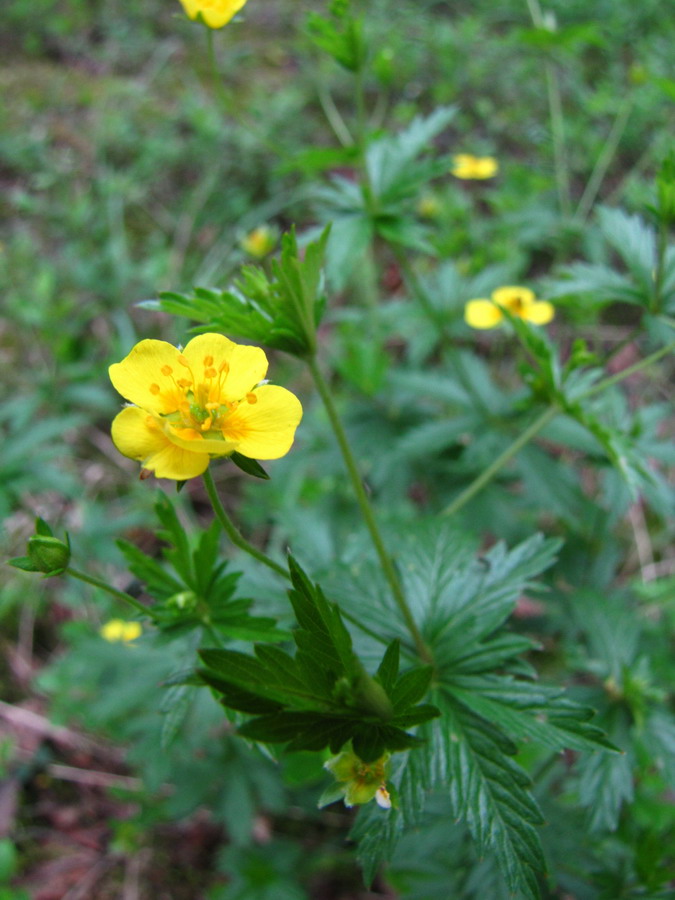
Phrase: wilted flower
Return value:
(214, 13)
(360, 782)
(119, 631)
(467, 166)
(519, 301)
(259, 242)
(206, 401)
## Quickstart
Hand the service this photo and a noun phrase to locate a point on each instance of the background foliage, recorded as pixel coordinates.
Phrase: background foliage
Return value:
(124, 180)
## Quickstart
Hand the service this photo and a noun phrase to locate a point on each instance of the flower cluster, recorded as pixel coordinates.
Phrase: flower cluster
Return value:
(213, 13)
(518, 301)
(192, 405)
(474, 167)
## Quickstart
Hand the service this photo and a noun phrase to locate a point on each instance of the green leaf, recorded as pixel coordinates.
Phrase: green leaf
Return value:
(388, 668)
(250, 466)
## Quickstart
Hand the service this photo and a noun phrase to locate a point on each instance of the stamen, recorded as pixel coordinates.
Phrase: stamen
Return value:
(212, 406)
(166, 370)
(251, 398)
(208, 361)
(184, 361)
(184, 383)
(210, 373)
(154, 389)
(206, 424)
(224, 366)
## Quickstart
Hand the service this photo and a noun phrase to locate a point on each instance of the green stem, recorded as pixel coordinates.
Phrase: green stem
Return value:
(479, 483)
(604, 160)
(557, 119)
(367, 511)
(233, 532)
(119, 595)
(625, 373)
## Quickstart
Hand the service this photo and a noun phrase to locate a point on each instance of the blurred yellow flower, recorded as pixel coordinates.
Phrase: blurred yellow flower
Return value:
(205, 401)
(259, 242)
(119, 631)
(519, 301)
(214, 13)
(428, 206)
(360, 782)
(467, 166)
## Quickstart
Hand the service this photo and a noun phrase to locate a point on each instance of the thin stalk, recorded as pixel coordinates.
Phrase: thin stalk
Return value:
(603, 162)
(557, 119)
(225, 100)
(625, 373)
(479, 483)
(233, 532)
(335, 120)
(367, 511)
(119, 595)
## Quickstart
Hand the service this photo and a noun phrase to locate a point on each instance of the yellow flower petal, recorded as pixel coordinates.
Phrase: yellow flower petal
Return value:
(513, 297)
(478, 167)
(139, 378)
(265, 429)
(137, 435)
(539, 313)
(192, 440)
(482, 314)
(215, 13)
(112, 630)
(247, 366)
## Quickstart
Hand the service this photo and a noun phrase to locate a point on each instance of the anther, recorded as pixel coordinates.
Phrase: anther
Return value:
(206, 424)
(154, 389)
(184, 382)
(208, 361)
(251, 398)
(212, 406)
(224, 366)
(210, 373)
(166, 370)
(184, 361)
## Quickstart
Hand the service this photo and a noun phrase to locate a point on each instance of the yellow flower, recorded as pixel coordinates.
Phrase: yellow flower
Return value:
(467, 166)
(519, 301)
(360, 782)
(117, 630)
(214, 13)
(205, 401)
(259, 242)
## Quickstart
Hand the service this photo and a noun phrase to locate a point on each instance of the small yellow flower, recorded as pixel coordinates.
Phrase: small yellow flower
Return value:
(214, 13)
(476, 167)
(428, 206)
(205, 401)
(259, 242)
(361, 782)
(119, 631)
(519, 301)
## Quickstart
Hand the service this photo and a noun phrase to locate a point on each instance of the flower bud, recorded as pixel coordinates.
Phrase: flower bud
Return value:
(48, 554)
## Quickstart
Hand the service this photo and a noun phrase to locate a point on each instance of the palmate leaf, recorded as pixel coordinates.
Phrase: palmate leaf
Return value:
(462, 604)
(322, 696)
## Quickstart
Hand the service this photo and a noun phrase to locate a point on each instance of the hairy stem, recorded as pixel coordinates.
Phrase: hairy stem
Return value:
(367, 512)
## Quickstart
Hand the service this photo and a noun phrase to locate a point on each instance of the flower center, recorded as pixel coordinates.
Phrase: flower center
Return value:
(196, 401)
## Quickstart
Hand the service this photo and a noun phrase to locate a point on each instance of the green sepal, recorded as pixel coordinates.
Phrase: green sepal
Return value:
(22, 562)
(248, 465)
